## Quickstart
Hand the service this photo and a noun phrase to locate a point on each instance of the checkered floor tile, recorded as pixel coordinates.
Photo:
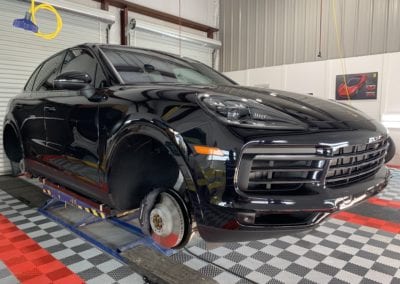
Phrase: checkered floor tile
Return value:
(6, 276)
(90, 263)
(392, 191)
(335, 252)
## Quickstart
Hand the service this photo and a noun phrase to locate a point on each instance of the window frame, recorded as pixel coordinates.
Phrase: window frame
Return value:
(41, 67)
(98, 62)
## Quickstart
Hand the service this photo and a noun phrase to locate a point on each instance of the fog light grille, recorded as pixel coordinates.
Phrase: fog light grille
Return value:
(277, 169)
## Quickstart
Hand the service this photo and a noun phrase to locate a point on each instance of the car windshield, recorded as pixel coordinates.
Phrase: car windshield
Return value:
(136, 66)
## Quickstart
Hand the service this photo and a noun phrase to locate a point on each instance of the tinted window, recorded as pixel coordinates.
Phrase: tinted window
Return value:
(31, 81)
(145, 66)
(83, 61)
(46, 75)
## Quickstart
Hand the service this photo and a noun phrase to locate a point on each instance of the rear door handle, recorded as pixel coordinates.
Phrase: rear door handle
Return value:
(50, 109)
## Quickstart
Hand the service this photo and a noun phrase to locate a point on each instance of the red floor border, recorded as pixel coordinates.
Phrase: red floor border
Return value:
(368, 221)
(28, 261)
(394, 166)
(383, 202)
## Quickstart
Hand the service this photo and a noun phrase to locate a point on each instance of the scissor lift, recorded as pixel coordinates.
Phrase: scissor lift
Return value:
(113, 232)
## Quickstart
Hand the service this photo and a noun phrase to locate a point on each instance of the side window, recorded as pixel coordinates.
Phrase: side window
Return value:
(31, 81)
(83, 61)
(46, 75)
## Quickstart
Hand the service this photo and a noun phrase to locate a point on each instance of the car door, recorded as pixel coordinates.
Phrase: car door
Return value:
(71, 125)
(28, 108)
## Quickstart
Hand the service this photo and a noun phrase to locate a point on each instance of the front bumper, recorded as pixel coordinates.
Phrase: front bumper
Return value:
(250, 218)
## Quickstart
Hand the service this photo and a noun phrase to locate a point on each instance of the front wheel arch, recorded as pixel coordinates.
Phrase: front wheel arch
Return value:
(140, 153)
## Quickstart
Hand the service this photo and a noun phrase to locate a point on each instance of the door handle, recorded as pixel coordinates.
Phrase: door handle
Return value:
(50, 109)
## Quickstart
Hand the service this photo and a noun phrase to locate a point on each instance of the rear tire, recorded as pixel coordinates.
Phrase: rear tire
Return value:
(13, 149)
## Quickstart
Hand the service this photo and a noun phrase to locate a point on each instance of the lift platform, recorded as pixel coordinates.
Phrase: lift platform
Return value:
(111, 231)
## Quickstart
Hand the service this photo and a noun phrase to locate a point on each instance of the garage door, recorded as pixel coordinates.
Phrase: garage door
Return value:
(156, 37)
(21, 51)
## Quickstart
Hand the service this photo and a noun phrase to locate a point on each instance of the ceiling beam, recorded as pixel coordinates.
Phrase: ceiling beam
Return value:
(104, 5)
(124, 26)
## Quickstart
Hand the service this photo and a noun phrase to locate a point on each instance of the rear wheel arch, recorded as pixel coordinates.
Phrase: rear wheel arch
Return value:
(144, 157)
(12, 143)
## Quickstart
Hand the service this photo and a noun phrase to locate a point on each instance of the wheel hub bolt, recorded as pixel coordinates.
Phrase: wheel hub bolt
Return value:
(157, 221)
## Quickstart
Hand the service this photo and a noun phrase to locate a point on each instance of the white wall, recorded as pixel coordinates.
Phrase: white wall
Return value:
(319, 78)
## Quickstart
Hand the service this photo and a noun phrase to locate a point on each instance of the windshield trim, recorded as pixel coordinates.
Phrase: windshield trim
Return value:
(112, 67)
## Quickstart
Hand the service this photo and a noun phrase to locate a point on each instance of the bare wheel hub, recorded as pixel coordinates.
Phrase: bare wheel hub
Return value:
(157, 221)
(167, 221)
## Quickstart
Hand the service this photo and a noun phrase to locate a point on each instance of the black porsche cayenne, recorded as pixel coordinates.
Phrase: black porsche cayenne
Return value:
(135, 128)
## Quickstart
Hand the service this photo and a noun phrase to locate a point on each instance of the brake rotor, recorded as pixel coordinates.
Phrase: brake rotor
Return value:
(167, 221)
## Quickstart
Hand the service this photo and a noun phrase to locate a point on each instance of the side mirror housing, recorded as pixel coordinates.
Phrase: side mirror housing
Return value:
(76, 81)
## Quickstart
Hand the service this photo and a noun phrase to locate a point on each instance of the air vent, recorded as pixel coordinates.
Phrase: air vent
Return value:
(281, 170)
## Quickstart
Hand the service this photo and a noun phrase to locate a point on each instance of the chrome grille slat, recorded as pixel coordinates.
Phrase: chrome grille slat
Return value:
(287, 169)
(292, 157)
(284, 181)
(344, 177)
(358, 164)
(361, 164)
(347, 155)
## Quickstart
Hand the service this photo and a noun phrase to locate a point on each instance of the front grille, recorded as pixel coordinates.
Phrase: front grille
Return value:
(354, 163)
(276, 169)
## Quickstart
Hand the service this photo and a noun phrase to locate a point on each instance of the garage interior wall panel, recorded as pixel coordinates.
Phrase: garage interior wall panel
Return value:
(260, 33)
(319, 79)
(145, 39)
(21, 51)
(169, 42)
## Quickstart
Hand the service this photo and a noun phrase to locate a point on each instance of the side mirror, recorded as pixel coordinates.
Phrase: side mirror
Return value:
(75, 80)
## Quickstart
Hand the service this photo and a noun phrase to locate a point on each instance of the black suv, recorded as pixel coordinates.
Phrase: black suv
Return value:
(135, 128)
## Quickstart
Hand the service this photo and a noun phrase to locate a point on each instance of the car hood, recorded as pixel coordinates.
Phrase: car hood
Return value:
(306, 110)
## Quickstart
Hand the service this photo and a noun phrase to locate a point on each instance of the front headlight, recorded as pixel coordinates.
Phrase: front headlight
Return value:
(248, 113)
